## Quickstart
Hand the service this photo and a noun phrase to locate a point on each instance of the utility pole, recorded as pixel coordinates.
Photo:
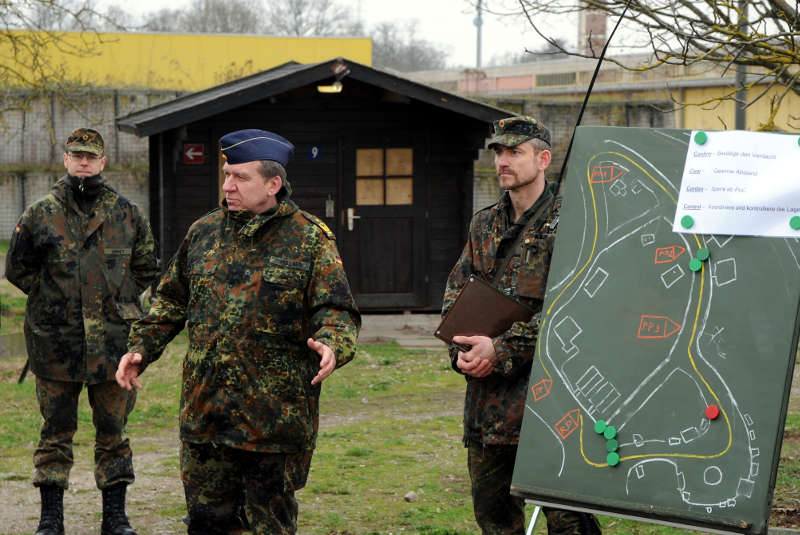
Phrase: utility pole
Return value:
(478, 23)
(741, 75)
(359, 13)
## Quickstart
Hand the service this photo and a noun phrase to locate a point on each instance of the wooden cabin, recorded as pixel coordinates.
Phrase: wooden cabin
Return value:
(386, 162)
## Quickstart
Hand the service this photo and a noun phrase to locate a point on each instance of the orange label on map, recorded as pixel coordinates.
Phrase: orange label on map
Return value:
(605, 173)
(541, 389)
(668, 254)
(651, 326)
(569, 423)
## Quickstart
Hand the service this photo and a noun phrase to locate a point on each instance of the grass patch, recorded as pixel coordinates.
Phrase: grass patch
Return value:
(390, 423)
(792, 426)
(12, 307)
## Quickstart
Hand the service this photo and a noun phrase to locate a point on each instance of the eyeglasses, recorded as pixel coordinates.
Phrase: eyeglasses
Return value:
(79, 156)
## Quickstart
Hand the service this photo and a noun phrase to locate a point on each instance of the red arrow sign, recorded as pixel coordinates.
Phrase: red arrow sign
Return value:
(194, 153)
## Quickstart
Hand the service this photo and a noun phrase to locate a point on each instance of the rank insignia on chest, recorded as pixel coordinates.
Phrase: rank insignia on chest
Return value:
(288, 263)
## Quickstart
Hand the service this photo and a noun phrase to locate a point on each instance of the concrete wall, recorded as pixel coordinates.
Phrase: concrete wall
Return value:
(33, 128)
(20, 189)
(560, 120)
(32, 134)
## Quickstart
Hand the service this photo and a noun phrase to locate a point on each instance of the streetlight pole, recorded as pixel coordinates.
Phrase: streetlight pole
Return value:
(478, 23)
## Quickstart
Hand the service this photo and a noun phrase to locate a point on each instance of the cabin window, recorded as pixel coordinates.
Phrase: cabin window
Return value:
(384, 176)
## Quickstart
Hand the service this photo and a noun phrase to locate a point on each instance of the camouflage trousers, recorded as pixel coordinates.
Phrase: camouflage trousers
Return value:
(497, 512)
(58, 403)
(230, 490)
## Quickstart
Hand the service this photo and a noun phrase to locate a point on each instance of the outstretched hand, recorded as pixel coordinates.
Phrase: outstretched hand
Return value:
(327, 362)
(128, 371)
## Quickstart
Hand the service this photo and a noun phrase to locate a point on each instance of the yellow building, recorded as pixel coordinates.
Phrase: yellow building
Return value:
(185, 62)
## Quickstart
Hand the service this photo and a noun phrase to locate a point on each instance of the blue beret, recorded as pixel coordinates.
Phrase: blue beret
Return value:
(251, 145)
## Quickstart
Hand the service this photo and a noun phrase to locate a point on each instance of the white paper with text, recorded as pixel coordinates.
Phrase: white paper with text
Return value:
(741, 183)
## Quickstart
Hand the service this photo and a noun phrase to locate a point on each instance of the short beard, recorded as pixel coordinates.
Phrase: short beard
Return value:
(517, 185)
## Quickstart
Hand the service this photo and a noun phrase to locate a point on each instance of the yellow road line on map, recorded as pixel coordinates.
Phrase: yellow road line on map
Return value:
(691, 340)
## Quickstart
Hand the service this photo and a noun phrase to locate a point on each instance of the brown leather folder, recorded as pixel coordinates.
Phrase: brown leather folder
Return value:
(481, 309)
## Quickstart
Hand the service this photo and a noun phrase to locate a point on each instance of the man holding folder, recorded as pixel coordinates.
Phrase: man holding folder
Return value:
(510, 245)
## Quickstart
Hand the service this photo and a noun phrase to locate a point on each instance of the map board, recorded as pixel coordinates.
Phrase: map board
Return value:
(672, 351)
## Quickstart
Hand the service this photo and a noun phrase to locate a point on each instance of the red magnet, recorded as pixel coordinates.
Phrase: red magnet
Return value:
(712, 411)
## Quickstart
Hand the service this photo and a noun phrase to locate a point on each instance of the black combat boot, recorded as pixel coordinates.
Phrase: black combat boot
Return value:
(114, 520)
(590, 525)
(52, 519)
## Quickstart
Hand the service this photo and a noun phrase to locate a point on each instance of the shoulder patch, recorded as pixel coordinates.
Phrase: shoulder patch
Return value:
(217, 209)
(320, 223)
(206, 218)
(485, 208)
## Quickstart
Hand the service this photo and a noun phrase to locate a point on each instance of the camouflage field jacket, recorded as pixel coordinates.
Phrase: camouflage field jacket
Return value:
(251, 290)
(494, 404)
(83, 274)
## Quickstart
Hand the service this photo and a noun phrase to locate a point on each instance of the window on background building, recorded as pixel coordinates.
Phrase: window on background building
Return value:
(384, 176)
(557, 78)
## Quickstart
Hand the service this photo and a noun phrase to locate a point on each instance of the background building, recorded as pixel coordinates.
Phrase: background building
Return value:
(385, 162)
(119, 74)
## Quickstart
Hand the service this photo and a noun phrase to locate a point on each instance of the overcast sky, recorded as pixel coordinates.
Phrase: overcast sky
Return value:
(449, 23)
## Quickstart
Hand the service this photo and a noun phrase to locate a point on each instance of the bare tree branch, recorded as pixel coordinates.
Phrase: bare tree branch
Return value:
(398, 47)
(305, 18)
(762, 36)
(208, 16)
(32, 35)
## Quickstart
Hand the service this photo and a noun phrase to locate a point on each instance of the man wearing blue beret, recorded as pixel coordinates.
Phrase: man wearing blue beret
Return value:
(260, 286)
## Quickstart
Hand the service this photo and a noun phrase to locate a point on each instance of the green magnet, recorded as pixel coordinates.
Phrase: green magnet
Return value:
(612, 445)
(695, 264)
(610, 432)
(700, 138)
(599, 426)
(612, 458)
(702, 254)
(687, 221)
(794, 222)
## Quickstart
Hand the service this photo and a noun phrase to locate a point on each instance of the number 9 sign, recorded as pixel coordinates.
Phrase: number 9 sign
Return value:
(314, 152)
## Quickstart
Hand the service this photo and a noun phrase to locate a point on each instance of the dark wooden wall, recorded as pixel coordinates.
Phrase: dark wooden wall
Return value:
(445, 146)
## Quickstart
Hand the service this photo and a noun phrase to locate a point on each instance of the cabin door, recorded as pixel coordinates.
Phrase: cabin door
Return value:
(382, 226)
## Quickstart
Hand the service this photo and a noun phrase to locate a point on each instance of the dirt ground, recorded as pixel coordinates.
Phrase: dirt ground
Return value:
(157, 487)
(19, 500)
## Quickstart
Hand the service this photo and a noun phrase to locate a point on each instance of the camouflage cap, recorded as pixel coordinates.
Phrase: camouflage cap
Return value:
(512, 131)
(85, 140)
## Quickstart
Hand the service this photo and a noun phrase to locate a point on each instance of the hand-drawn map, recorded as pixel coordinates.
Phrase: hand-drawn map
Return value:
(664, 361)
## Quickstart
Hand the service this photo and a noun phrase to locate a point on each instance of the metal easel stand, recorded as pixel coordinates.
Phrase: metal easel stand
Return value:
(532, 523)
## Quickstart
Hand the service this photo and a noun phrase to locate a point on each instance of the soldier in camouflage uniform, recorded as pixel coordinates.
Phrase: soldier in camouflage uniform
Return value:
(82, 254)
(511, 243)
(261, 287)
